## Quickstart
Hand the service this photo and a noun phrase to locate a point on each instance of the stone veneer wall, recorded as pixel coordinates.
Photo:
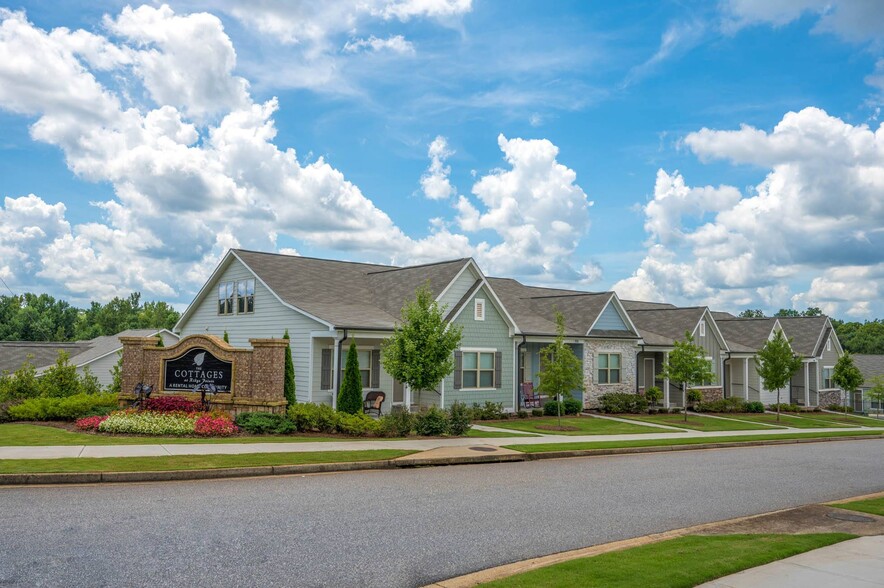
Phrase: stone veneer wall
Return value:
(258, 373)
(592, 390)
(828, 397)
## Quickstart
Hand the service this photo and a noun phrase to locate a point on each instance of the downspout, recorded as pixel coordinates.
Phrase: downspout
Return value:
(519, 367)
(637, 353)
(340, 347)
(725, 385)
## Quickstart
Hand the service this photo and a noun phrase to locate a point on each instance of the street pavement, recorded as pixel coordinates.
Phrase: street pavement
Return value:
(400, 527)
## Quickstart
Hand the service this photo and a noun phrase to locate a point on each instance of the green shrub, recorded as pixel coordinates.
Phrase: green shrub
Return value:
(732, 404)
(839, 408)
(61, 379)
(357, 425)
(459, 419)
(536, 412)
(350, 395)
(262, 423)
(569, 406)
(147, 422)
(522, 414)
(397, 424)
(695, 396)
(653, 394)
(314, 417)
(432, 423)
(754, 407)
(623, 402)
(20, 384)
(289, 379)
(784, 407)
(490, 411)
(89, 383)
(67, 409)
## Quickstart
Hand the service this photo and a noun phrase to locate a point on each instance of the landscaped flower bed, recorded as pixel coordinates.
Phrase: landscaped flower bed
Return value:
(147, 422)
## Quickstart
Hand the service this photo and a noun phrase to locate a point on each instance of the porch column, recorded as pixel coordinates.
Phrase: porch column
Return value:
(666, 382)
(806, 383)
(335, 376)
(730, 377)
(442, 396)
(407, 397)
(746, 379)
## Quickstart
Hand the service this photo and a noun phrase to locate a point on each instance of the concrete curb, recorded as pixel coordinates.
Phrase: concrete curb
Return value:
(387, 464)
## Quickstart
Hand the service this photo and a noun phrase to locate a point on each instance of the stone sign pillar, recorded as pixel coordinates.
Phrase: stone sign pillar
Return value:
(245, 379)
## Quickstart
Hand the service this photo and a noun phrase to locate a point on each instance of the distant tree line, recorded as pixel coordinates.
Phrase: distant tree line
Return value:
(855, 337)
(40, 317)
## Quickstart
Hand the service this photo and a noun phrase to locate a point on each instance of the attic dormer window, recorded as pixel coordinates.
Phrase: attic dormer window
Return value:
(479, 309)
(703, 329)
(828, 344)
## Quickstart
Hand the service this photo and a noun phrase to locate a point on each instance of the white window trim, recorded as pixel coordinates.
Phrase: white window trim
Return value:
(822, 381)
(829, 344)
(236, 295)
(344, 366)
(493, 353)
(620, 369)
(702, 328)
(217, 302)
(479, 302)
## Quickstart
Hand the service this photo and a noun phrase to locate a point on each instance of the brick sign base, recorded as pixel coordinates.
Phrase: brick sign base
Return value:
(258, 373)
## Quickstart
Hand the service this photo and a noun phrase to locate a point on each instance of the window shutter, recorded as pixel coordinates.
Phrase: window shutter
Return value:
(326, 370)
(498, 359)
(375, 368)
(458, 369)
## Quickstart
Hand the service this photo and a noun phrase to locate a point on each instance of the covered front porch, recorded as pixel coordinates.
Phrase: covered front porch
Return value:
(528, 369)
(804, 388)
(650, 367)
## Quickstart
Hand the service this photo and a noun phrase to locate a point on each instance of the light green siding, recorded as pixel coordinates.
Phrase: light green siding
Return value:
(270, 320)
(492, 333)
(457, 289)
(711, 346)
(610, 320)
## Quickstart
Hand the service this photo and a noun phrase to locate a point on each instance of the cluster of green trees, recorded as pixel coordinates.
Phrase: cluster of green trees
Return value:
(41, 317)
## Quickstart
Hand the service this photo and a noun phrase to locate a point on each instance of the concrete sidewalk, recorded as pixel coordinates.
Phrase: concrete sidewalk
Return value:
(856, 563)
(416, 444)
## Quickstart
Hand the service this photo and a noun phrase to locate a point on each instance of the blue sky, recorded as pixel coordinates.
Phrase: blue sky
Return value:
(694, 152)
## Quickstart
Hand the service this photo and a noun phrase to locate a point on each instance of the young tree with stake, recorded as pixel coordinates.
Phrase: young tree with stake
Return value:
(846, 375)
(775, 364)
(687, 364)
(560, 370)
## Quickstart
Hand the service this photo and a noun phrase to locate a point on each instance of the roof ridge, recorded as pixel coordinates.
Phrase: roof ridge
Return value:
(408, 267)
(673, 308)
(574, 294)
(275, 254)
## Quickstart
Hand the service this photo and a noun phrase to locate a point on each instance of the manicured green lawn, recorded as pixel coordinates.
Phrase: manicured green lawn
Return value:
(545, 447)
(697, 423)
(585, 426)
(683, 562)
(189, 462)
(797, 422)
(872, 506)
(845, 419)
(490, 434)
(21, 434)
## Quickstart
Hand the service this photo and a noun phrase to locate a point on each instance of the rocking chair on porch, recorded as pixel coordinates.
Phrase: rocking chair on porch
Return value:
(530, 399)
(373, 402)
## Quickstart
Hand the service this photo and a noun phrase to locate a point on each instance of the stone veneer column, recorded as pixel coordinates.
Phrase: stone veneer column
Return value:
(627, 351)
(134, 363)
(267, 369)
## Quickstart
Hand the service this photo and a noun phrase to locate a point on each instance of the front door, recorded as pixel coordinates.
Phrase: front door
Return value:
(650, 376)
(398, 392)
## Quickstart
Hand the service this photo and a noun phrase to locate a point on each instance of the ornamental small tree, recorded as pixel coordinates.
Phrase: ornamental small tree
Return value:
(226, 337)
(687, 364)
(420, 353)
(653, 394)
(876, 392)
(117, 375)
(846, 375)
(775, 364)
(350, 396)
(289, 385)
(560, 370)
(160, 342)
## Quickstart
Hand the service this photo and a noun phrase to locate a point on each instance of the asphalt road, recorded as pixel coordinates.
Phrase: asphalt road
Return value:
(400, 528)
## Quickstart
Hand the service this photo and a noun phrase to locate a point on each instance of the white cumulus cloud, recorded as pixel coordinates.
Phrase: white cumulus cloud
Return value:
(435, 183)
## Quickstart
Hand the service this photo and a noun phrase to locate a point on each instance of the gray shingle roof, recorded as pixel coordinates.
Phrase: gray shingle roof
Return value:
(533, 309)
(746, 334)
(871, 366)
(630, 305)
(347, 294)
(805, 333)
(101, 346)
(721, 315)
(14, 353)
(663, 326)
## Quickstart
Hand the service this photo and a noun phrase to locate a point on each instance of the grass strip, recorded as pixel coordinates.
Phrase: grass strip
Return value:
(873, 506)
(682, 562)
(583, 425)
(697, 423)
(490, 434)
(190, 462)
(545, 447)
(843, 419)
(786, 420)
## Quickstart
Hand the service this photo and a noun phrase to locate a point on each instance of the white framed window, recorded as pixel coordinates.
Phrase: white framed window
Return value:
(478, 370)
(225, 297)
(828, 372)
(608, 368)
(245, 296)
(365, 362)
(703, 328)
(828, 344)
(479, 309)
(711, 369)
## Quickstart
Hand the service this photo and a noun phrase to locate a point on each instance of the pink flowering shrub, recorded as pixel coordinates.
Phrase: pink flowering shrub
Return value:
(214, 425)
(170, 404)
(90, 423)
